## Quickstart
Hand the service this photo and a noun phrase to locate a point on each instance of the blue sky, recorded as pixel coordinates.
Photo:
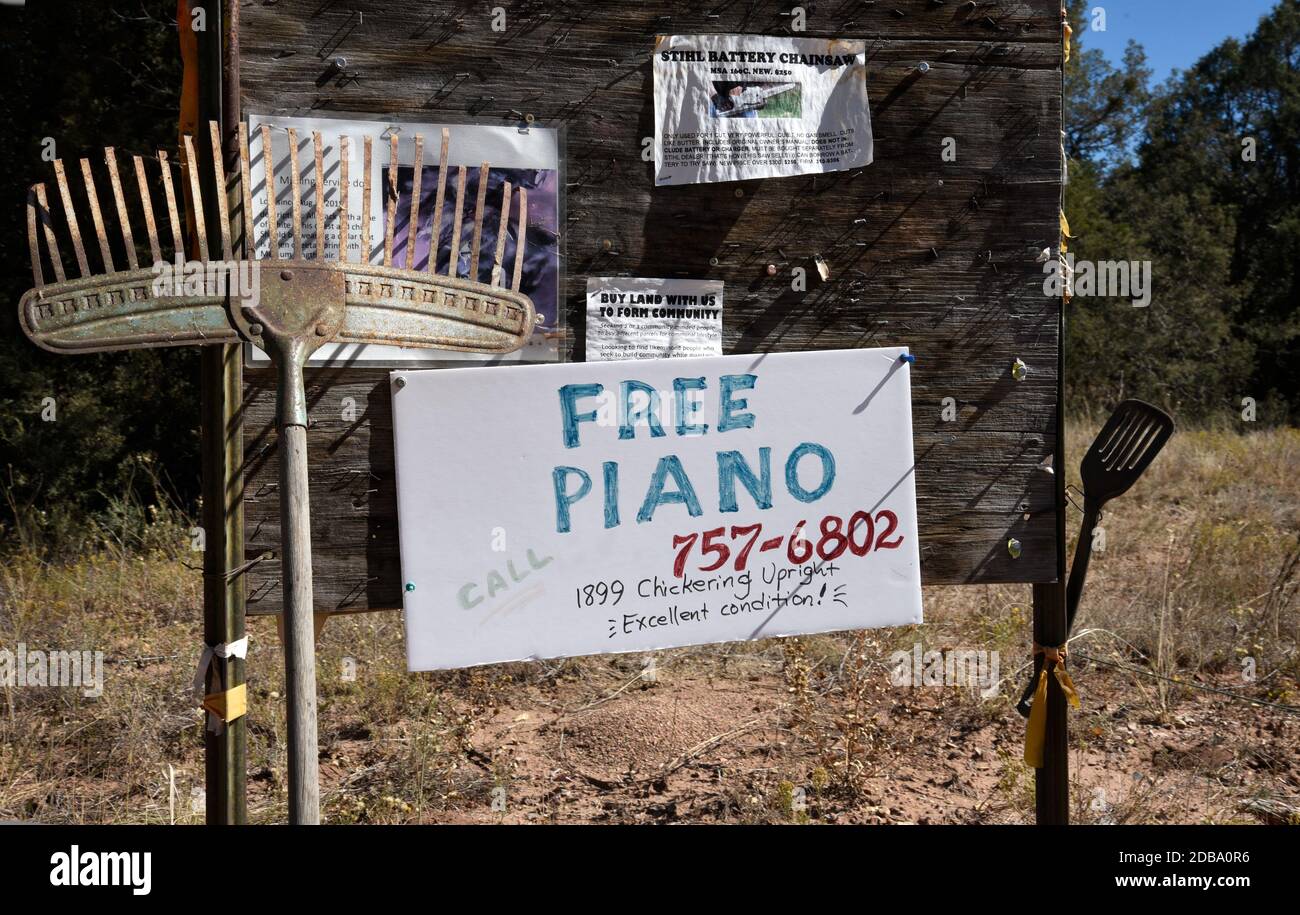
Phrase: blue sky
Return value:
(1174, 33)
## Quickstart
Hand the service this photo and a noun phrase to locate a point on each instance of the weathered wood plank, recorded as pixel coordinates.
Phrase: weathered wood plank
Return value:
(935, 254)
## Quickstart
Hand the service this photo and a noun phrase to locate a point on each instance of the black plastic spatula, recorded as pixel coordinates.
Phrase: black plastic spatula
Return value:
(1122, 451)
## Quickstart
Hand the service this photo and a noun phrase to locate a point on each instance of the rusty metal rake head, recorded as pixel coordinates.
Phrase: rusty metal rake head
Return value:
(121, 307)
(299, 305)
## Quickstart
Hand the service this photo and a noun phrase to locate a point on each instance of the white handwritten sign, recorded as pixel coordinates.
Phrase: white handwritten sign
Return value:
(588, 508)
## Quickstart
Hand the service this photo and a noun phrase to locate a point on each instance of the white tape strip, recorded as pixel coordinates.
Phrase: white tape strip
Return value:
(227, 650)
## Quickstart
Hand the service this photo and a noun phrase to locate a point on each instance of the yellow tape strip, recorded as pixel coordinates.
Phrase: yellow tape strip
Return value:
(228, 706)
(1037, 728)
(1036, 732)
(1068, 32)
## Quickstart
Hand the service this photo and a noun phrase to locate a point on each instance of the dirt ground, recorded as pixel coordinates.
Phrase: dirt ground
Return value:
(1197, 590)
(719, 737)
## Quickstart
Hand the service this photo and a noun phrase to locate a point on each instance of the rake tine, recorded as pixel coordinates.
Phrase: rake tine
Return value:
(97, 217)
(478, 221)
(115, 180)
(196, 198)
(521, 236)
(71, 215)
(51, 240)
(33, 244)
(390, 204)
(272, 217)
(247, 187)
(497, 273)
(366, 252)
(169, 191)
(295, 186)
(344, 191)
(223, 204)
(146, 200)
(454, 258)
(318, 148)
(413, 225)
(438, 202)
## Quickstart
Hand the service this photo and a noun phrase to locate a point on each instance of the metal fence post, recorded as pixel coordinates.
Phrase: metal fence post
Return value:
(221, 385)
(1052, 781)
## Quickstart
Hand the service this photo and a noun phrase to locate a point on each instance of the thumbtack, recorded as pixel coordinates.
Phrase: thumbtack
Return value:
(740, 192)
(1013, 547)
(1019, 370)
(907, 357)
(922, 67)
(410, 586)
(771, 269)
(400, 383)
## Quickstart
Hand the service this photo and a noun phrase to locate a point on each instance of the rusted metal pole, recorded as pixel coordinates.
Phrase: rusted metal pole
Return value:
(1052, 780)
(299, 629)
(221, 387)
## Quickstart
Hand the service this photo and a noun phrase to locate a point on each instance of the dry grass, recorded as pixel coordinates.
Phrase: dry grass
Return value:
(1197, 583)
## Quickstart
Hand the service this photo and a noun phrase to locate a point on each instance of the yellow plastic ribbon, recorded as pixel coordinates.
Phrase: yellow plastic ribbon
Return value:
(1067, 274)
(228, 706)
(1036, 732)
(1068, 32)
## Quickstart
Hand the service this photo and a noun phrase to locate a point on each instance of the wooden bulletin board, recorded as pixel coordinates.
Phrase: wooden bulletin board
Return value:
(941, 256)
